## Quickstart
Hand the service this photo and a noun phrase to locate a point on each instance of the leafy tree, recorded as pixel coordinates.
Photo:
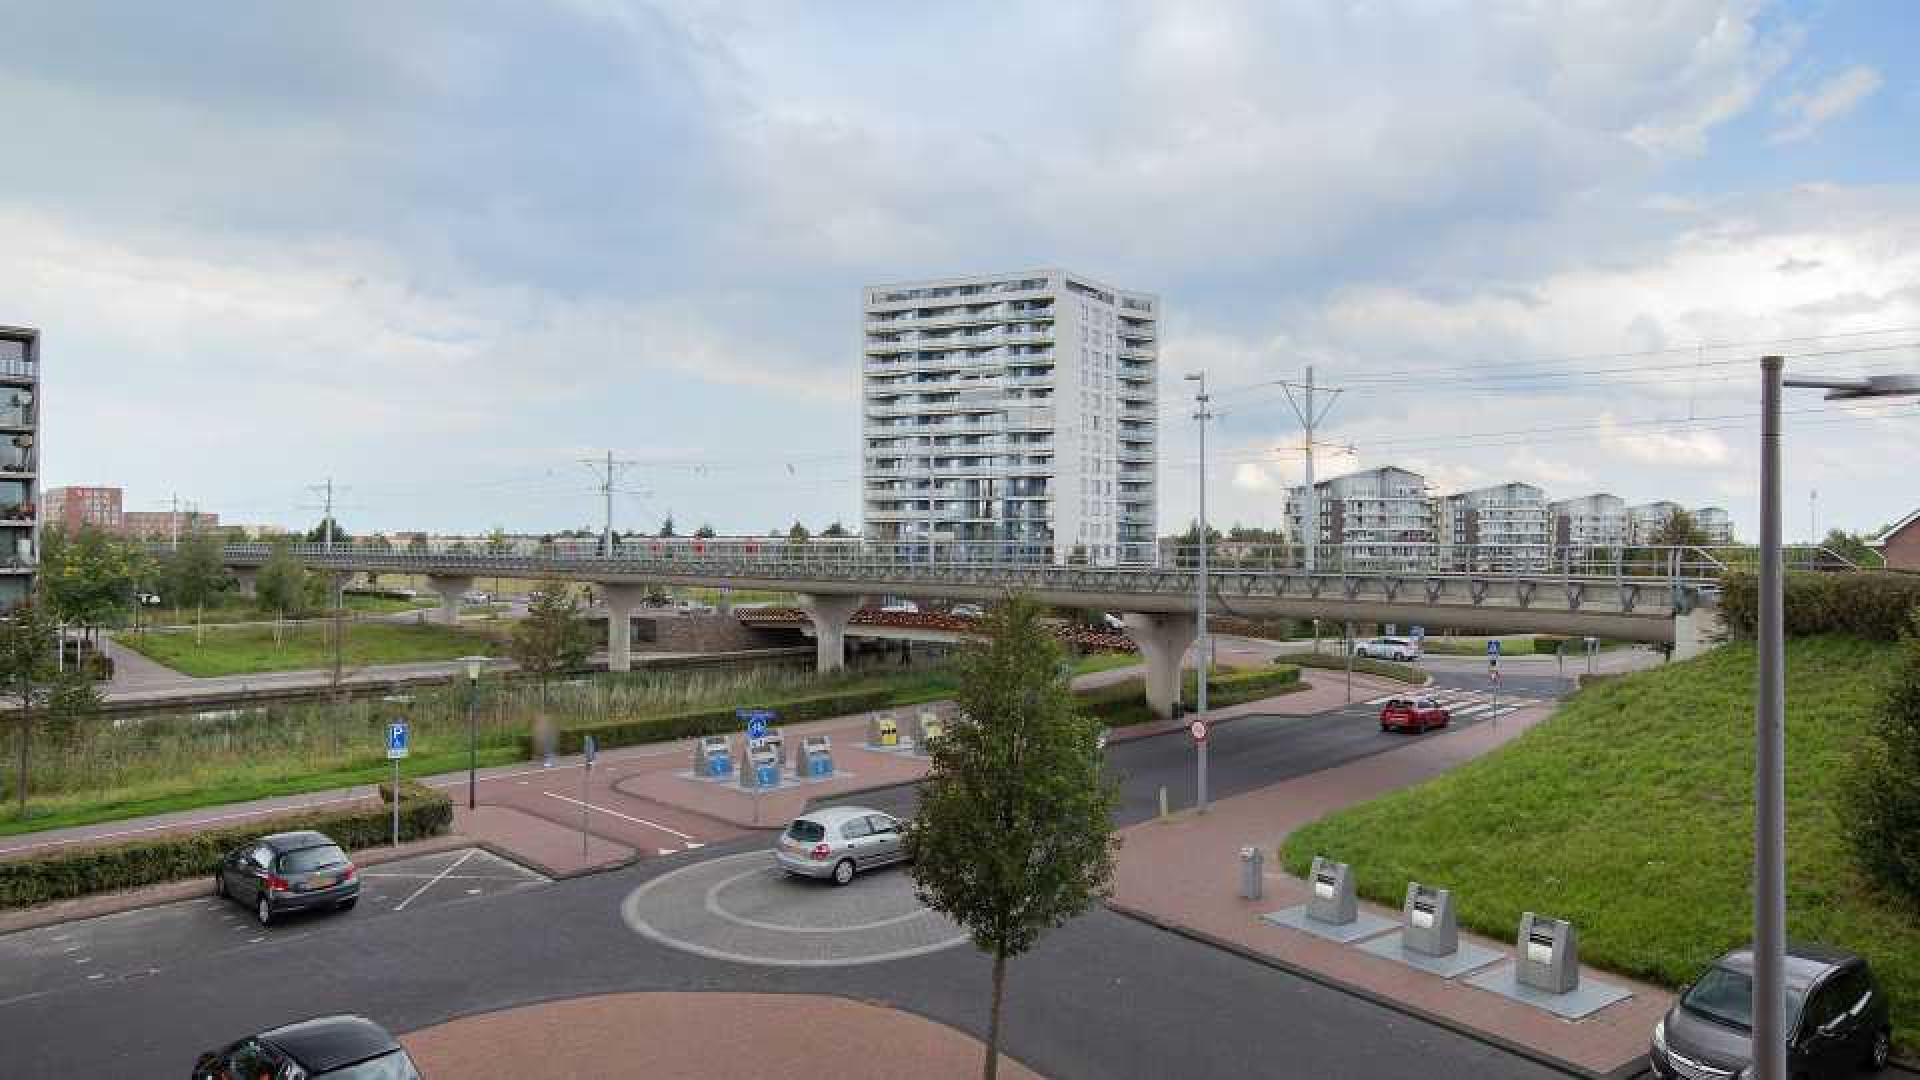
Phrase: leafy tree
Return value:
(497, 540)
(192, 574)
(282, 584)
(553, 637)
(1679, 530)
(798, 534)
(1851, 545)
(1188, 544)
(89, 579)
(1014, 834)
(666, 527)
(835, 530)
(30, 674)
(1882, 791)
(318, 533)
(416, 542)
(705, 532)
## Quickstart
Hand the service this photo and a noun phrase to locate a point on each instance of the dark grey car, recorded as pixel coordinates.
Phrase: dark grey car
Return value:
(292, 871)
(1837, 1019)
(327, 1048)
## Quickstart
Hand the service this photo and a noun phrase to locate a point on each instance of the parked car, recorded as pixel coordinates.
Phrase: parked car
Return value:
(838, 841)
(1402, 649)
(967, 611)
(907, 607)
(291, 871)
(1837, 1018)
(1415, 714)
(474, 596)
(1113, 623)
(327, 1048)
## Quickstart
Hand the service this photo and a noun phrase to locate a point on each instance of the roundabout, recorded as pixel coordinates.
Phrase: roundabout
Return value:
(746, 909)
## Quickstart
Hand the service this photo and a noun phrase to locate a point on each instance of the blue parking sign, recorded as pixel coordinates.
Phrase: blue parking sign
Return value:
(397, 740)
(756, 721)
(1493, 646)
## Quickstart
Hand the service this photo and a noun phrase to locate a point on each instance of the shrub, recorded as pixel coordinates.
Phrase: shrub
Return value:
(81, 871)
(719, 721)
(1406, 673)
(1863, 603)
(1119, 704)
(1123, 703)
(1882, 791)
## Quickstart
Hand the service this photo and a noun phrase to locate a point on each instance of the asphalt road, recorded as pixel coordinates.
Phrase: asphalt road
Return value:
(1104, 996)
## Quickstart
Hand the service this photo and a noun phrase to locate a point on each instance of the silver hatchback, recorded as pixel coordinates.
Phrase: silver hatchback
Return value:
(837, 842)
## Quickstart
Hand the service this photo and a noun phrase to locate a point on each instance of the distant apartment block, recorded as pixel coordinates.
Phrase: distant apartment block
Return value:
(1644, 521)
(1381, 519)
(1590, 523)
(1715, 523)
(19, 462)
(71, 509)
(1011, 413)
(1503, 527)
(166, 524)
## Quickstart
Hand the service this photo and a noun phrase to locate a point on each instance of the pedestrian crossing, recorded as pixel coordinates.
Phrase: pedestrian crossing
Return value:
(1470, 704)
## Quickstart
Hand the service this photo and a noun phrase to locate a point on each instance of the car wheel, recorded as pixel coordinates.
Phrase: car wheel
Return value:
(263, 910)
(1880, 1051)
(347, 905)
(843, 871)
(1384, 727)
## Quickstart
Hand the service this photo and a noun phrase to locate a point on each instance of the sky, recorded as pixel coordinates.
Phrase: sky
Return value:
(441, 253)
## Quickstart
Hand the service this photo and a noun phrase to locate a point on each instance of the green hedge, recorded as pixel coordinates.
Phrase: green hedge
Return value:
(1873, 605)
(81, 871)
(1406, 673)
(1125, 702)
(712, 721)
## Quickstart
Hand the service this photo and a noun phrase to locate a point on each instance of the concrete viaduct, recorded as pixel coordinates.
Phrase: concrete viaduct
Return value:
(1157, 604)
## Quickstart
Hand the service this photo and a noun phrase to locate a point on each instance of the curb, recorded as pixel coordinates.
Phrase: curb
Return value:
(1624, 1072)
(548, 872)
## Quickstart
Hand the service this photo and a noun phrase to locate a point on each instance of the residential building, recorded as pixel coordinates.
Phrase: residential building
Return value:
(1503, 527)
(19, 462)
(1591, 523)
(1380, 519)
(1644, 521)
(1715, 523)
(74, 508)
(1899, 546)
(166, 524)
(1011, 415)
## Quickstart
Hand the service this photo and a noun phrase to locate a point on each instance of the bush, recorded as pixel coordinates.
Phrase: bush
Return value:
(1882, 791)
(721, 721)
(1119, 704)
(1406, 673)
(1124, 703)
(81, 871)
(1866, 604)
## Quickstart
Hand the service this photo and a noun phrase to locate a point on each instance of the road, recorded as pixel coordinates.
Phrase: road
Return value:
(1104, 996)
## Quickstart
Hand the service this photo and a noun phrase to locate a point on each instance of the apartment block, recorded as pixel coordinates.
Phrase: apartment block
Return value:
(1011, 415)
(1715, 523)
(1380, 519)
(73, 508)
(1503, 527)
(166, 524)
(19, 462)
(1644, 521)
(1590, 523)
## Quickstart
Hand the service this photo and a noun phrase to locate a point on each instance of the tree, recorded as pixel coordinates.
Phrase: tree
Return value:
(192, 574)
(497, 540)
(553, 637)
(1851, 545)
(1679, 530)
(798, 534)
(1187, 544)
(1014, 835)
(1882, 791)
(281, 583)
(30, 673)
(835, 530)
(704, 532)
(318, 534)
(89, 579)
(666, 527)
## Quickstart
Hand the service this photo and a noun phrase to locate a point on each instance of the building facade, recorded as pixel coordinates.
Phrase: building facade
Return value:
(1503, 527)
(1588, 524)
(1011, 416)
(73, 508)
(1380, 519)
(1899, 546)
(166, 524)
(1715, 523)
(19, 462)
(1644, 521)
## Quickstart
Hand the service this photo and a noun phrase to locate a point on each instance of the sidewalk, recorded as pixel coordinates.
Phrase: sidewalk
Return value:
(1184, 874)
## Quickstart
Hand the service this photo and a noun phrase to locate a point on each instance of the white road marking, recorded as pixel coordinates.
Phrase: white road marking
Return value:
(1471, 709)
(691, 846)
(1382, 700)
(402, 905)
(96, 975)
(668, 851)
(1502, 711)
(618, 814)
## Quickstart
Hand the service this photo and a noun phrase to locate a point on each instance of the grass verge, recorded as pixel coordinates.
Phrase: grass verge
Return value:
(245, 650)
(1406, 673)
(1630, 811)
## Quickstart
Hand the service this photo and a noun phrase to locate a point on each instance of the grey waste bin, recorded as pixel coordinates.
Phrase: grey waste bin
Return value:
(1333, 899)
(1548, 954)
(1427, 923)
(1253, 878)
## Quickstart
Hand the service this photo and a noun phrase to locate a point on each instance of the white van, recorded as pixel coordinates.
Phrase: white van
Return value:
(1405, 650)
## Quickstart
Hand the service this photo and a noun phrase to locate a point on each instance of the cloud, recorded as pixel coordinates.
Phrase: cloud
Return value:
(1807, 111)
(1668, 449)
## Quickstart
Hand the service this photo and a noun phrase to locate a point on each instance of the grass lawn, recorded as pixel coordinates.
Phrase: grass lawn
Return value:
(1630, 812)
(243, 650)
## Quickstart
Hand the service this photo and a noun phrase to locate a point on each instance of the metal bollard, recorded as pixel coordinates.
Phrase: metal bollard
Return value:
(1253, 879)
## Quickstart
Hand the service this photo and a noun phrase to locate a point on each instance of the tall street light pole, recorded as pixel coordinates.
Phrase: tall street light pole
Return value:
(474, 664)
(1770, 752)
(1200, 604)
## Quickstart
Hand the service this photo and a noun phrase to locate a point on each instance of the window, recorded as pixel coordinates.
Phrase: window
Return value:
(807, 832)
(313, 858)
(261, 857)
(881, 824)
(855, 829)
(252, 1060)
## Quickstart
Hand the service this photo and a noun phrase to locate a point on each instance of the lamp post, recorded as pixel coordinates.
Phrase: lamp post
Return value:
(1769, 780)
(1200, 604)
(474, 665)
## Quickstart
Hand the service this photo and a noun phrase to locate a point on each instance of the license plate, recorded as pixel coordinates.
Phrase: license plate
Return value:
(321, 881)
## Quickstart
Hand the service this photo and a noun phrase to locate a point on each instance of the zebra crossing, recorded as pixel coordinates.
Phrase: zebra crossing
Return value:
(1470, 703)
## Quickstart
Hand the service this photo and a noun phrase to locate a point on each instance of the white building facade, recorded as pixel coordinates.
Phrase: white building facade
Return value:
(1011, 416)
(1503, 527)
(1715, 523)
(1644, 520)
(1380, 519)
(1590, 523)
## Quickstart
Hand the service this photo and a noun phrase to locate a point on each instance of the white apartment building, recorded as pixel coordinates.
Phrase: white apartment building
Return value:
(1011, 415)
(1503, 527)
(1715, 522)
(1590, 523)
(1380, 519)
(1644, 521)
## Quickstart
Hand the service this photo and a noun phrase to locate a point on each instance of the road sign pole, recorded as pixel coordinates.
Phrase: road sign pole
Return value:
(396, 802)
(585, 772)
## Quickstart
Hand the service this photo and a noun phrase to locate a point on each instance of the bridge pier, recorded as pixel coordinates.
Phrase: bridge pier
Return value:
(1697, 631)
(620, 600)
(246, 577)
(450, 587)
(723, 601)
(1163, 641)
(829, 615)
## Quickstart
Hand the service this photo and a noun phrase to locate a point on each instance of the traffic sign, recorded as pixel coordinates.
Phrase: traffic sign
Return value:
(1198, 729)
(756, 721)
(397, 740)
(1493, 646)
(1418, 632)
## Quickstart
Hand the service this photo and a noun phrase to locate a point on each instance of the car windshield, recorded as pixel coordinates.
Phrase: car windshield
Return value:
(1400, 703)
(394, 1066)
(1727, 997)
(807, 831)
(313, 858)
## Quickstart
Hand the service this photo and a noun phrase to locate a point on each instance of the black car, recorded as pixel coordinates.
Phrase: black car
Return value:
(293, 871)
(331, 1047)
(1836, 1019)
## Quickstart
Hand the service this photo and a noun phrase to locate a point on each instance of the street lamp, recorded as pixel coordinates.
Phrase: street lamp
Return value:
(1769, 781)
(474, 665)
(1200, 608)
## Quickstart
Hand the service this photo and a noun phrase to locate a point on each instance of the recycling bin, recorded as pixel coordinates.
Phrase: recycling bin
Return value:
(713, 757)
(761, 768)
(1252, 873)
(815, 756)
(1427, 923)
(1548, 954)
(932, 729)
(883, 732)
(1334, 900)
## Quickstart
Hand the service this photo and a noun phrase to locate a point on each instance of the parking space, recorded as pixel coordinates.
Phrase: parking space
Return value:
(143, 942)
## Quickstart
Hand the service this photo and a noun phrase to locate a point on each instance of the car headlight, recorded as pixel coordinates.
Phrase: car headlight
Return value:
(1660, 1036)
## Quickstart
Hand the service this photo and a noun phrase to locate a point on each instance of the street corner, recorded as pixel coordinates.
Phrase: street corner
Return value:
(745, 909)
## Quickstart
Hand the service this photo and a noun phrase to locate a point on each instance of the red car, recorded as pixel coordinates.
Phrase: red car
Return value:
(1413, 714)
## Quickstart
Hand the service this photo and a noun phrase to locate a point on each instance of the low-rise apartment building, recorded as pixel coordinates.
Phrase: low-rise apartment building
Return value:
(1590, 523)
(1715, 524)
(1502, 527)
(1644, 521)
(1380, 519)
